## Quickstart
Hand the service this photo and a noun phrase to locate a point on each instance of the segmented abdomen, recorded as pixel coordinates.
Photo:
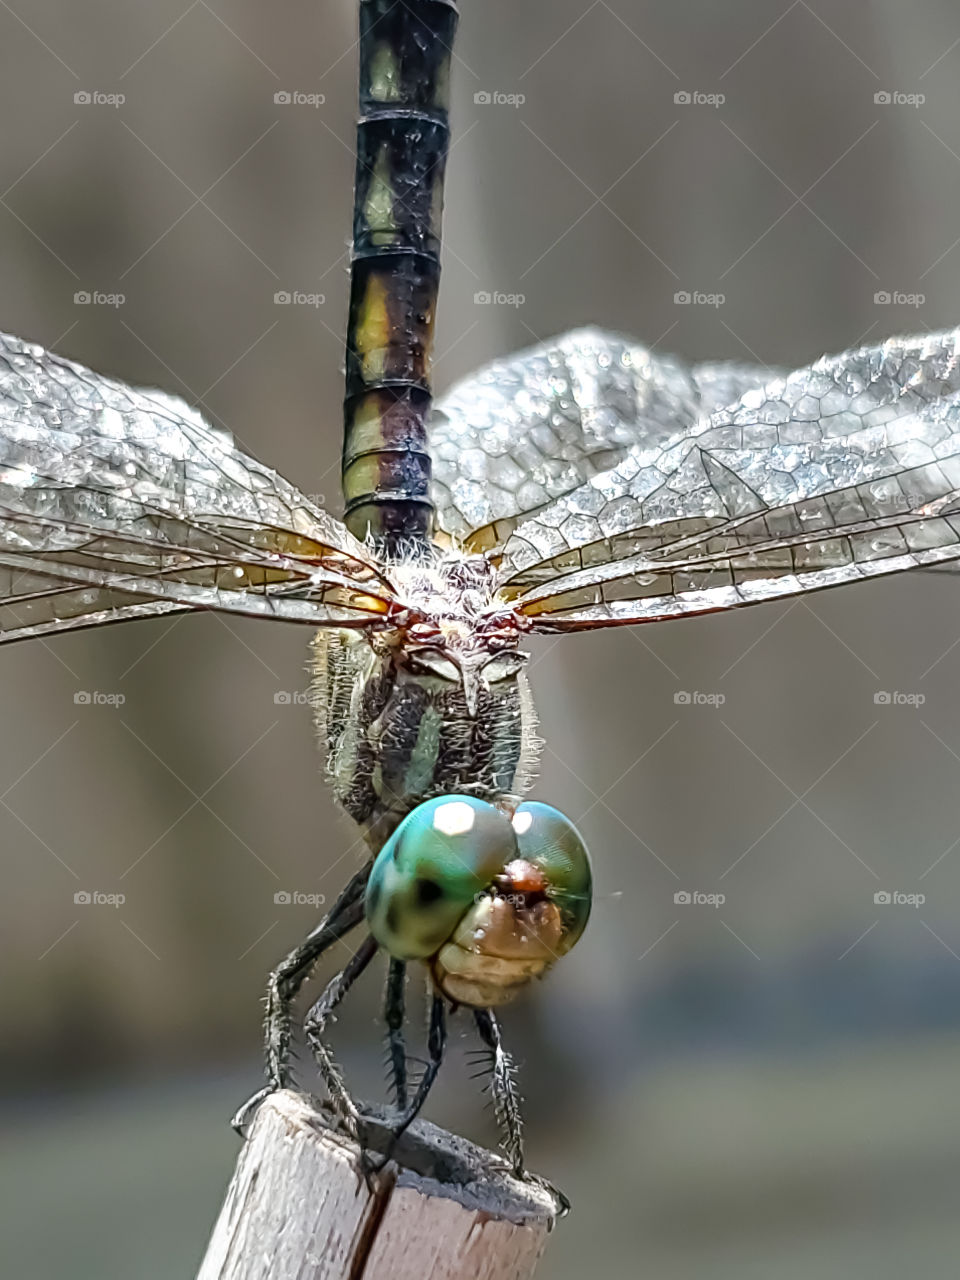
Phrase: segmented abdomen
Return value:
(402, 139)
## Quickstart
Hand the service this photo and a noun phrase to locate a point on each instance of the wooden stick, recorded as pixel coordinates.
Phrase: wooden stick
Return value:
(298, 1209)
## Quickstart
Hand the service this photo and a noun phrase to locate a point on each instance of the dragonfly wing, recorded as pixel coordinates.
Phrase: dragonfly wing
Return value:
(117, 503)
(841, 471)
(524, 431)
(35, 605)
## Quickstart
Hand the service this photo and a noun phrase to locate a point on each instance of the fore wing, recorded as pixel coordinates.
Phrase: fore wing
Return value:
(523, 431)
(117, 503)
(841, 471)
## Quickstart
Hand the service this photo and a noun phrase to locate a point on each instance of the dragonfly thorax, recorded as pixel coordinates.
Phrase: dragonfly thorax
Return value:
(451, 585)
(437, 705)
(457, 629)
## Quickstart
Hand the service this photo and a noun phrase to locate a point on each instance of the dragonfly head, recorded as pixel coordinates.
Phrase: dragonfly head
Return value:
(489, 901)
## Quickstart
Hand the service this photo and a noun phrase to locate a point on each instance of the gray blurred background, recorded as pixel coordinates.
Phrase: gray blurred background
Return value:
(763, 1088)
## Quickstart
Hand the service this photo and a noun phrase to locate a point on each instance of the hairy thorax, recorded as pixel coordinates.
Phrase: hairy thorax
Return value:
(439, 705)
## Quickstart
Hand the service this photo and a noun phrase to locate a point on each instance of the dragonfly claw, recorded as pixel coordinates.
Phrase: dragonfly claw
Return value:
(560, 1201)
(244, 1116)
(371, 1166)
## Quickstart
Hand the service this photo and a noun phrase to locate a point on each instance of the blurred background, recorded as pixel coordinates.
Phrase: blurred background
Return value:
(758, 1082)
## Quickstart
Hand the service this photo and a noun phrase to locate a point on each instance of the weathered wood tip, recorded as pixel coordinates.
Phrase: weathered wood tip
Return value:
(442, 1209)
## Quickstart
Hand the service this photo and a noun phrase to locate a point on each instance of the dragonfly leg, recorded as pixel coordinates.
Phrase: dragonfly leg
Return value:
(315, 1025)
(506, 1096)
(286, 980)
(436, 1043)
(393, 1015)
(506, 1101)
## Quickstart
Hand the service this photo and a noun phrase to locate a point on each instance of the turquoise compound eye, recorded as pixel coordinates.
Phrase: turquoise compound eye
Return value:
(429, 872)
(551, 842)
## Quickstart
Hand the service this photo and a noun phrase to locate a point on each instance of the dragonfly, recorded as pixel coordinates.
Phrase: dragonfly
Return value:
(588, 482)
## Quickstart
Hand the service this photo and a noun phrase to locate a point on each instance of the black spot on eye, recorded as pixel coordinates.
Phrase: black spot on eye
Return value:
(427, 891)
(392, 921)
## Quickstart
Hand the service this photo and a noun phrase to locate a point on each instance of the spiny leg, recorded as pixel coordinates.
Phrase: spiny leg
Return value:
(507, 1100)
(506, 1097)
(289, 976)
(436, 1043)
(393, 1015)
(315, 1025)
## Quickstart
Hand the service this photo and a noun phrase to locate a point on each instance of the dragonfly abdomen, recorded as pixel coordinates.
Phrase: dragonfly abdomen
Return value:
(402, 140)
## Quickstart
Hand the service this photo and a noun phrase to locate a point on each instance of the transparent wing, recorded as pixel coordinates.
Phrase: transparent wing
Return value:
(117, 504)
(523, 431)
(841, 471)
